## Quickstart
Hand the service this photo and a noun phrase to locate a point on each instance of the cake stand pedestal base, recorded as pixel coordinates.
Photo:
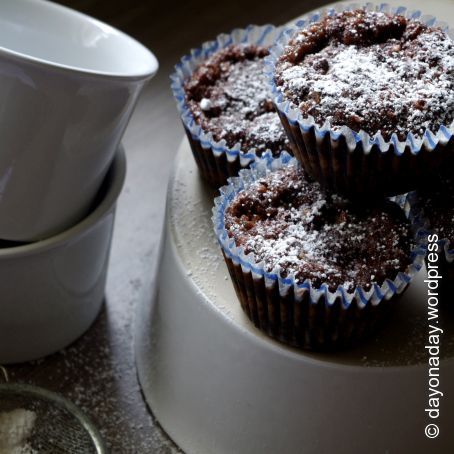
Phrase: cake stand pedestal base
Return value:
(218, 385)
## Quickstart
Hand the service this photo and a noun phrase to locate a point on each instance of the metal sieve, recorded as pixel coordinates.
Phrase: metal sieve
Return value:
(60, 427)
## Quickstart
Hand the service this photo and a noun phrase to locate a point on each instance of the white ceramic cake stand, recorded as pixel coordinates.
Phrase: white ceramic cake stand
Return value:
(218, 385)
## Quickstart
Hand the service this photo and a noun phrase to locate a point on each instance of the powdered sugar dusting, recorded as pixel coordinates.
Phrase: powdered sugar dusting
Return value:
(230, 97)
(403, 84)
(16, 427)
(287, 223)
(266, 128)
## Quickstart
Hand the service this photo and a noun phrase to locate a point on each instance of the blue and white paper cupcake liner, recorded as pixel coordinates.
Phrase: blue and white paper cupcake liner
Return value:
(298, 313)
(351, 163)
(216, 160)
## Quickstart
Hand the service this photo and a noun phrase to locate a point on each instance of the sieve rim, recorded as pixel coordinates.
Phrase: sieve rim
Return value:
(62, 402)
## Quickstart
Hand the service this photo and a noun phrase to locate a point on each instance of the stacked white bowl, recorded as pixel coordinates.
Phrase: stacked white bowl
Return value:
(68, 87)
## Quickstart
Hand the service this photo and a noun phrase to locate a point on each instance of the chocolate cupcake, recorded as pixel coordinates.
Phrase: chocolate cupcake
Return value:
(366, 97)
(312, 269)
(226, 103)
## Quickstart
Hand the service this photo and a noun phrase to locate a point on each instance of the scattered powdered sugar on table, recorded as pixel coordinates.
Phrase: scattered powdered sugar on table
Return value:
(399, 85)
(16, 427)
(97, 372)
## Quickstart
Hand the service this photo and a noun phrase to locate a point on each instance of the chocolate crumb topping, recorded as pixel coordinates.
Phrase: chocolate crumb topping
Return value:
(371, 71)
(287, 222)
(228, 96)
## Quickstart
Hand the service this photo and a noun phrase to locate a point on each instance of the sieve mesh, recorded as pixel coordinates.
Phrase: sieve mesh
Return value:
(60, 427)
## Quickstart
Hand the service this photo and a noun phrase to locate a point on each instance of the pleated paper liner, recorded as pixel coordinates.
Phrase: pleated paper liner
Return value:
(356, 164)
(299, 314)
(216, 161)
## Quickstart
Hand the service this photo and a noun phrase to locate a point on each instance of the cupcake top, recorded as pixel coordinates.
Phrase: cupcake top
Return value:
(291, 226)
(438, 208)
(370, 71)
(228, 95)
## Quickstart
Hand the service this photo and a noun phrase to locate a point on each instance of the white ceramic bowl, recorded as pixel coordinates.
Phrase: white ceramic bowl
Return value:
(68, 86)
(51, 291)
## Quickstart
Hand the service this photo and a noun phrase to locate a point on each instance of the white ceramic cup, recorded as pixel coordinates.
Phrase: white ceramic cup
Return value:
(52, 290)
(68, 86)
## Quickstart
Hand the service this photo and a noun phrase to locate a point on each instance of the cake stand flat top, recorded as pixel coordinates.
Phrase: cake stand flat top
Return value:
(189, 204)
